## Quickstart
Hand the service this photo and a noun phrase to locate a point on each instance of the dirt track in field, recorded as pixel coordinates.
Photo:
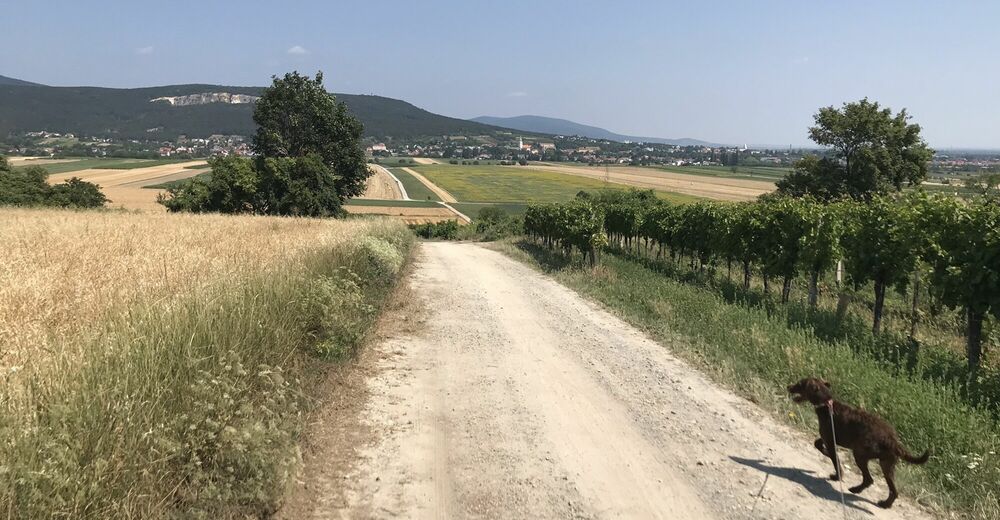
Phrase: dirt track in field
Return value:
(719, 188)
(125, 187)
(495, 392)
(440, 192)
(381, 186)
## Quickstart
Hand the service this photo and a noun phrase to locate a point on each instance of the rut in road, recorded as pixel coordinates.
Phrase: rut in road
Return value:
(519, 399)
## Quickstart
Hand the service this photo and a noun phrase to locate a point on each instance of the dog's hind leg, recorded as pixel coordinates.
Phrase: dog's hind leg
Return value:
(866, 474)
(888, 464)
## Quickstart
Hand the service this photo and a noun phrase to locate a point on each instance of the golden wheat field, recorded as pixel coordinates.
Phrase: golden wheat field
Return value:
(60, 271)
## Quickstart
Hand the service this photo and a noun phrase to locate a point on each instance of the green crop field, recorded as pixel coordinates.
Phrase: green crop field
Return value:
(178, 182)
(91, 162)
(414, 188)
(515, 184)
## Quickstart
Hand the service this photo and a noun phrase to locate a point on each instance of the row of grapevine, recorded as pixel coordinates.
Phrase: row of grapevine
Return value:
(952, 245)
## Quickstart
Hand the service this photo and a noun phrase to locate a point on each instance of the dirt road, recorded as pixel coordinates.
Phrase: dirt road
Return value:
(508, 396)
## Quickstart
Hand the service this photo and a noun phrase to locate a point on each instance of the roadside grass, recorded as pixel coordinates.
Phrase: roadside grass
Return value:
(757, 348)
(141, 388)
(414, 188)
(497, 184)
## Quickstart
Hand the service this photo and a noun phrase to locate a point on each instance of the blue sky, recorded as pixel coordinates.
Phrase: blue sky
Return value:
(729, 72)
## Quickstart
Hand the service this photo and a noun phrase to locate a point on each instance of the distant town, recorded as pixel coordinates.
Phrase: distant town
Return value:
(504, 149)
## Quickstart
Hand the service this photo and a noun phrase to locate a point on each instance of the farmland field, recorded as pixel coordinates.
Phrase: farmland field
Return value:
(693, 185)
(124, 183)
(59, 166)
(155, 365)
(381, 185)
(514, 184)
(414, 188)
(766, 173)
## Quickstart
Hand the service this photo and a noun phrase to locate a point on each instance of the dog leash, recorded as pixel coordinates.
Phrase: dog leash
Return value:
(839, 467)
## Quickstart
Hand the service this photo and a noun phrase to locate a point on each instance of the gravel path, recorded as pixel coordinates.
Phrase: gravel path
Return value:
(516, 398)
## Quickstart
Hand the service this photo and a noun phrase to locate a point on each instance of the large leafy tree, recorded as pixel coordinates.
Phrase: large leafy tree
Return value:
(309, 158)
(873, 151)
(29, 187)
(297, 117)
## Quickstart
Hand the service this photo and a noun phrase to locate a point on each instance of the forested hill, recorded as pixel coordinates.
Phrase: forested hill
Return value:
(131, 113)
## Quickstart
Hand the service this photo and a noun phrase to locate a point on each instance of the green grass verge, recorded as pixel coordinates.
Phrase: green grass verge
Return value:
(515, 184)
(393, 203)
(757, 349)
(415, 189)
(194, 409)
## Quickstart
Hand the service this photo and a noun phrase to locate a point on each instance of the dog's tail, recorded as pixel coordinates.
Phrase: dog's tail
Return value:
(908, 457)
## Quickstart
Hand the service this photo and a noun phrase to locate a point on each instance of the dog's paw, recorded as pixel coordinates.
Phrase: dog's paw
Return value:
(834, 477)
(857, 489)
(885, 504)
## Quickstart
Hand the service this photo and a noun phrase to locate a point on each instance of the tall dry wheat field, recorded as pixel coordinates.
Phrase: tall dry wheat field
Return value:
(152, 364)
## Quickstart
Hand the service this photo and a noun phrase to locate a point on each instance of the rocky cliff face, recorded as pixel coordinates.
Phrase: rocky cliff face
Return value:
(206, 98)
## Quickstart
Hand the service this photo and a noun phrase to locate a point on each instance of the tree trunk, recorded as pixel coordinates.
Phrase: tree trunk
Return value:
(842, 304)
(975, 338)
(879, 306)
(915, 307)
(786, 289)
(729, 269)
(767, 284)
(814, 289)
(746, 275)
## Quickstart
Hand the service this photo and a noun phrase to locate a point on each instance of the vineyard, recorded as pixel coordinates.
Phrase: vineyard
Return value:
(951, 246)
(895, 299)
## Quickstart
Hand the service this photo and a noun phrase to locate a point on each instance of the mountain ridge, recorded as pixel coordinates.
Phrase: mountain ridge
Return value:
(556, 126)
(130, 113)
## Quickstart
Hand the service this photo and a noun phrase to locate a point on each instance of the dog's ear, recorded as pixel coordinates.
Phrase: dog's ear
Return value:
(826, 384)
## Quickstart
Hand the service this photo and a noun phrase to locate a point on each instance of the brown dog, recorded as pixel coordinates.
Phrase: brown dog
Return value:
(868, 436)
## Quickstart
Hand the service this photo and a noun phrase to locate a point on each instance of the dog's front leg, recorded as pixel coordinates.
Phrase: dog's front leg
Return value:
(826, 446)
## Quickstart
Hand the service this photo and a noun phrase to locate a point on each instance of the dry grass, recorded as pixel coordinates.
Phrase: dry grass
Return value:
(155, 365)
(61, 271)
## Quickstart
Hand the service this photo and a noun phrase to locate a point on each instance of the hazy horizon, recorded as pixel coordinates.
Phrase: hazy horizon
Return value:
(724, 72)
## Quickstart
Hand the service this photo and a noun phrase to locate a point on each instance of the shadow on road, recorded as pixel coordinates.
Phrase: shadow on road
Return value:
(818, 486)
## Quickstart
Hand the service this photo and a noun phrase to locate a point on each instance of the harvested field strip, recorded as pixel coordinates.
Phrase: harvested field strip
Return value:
(699, 186)
(443, 195)
(516, 184)
(393, 203)
(157, 365)
(417, 190)
(381, 185)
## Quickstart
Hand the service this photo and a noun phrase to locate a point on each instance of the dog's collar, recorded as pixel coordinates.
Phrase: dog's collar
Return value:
(827, 404)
